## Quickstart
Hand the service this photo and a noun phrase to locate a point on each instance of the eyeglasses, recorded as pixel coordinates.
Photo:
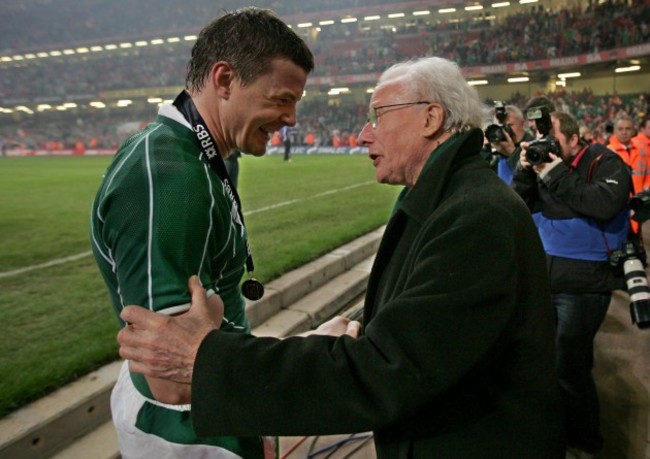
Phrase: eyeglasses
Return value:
(373, 116)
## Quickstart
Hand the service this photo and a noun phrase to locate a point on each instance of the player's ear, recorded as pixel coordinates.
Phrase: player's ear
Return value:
(222, 78)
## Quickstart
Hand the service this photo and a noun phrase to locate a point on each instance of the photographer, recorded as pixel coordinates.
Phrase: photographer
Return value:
(582, 191)
(506, 141)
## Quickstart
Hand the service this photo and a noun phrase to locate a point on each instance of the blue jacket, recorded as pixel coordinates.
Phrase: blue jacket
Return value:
(584, 216)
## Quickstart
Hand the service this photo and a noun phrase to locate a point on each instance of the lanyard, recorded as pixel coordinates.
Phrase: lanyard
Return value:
(185, 105)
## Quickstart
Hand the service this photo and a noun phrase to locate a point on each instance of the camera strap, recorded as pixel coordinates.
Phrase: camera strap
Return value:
(590, 175)
(592, 166)
(252, 289)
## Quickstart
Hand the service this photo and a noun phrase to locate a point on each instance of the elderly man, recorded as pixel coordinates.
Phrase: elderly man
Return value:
(456, 357)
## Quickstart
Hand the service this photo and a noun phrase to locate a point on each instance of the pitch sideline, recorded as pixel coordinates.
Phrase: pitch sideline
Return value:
(60, 261)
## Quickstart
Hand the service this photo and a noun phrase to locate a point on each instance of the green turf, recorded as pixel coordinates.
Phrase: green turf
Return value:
(57, 321)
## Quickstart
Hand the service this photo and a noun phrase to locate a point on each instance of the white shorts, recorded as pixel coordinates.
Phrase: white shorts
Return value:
(126, 402)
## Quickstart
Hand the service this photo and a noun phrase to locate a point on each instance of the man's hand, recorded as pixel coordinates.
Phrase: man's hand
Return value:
(542, 168)
(165, 347)
(522, 158)
(337, 326)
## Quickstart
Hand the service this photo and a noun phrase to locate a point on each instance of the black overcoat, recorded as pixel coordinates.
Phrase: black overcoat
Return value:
(456, 359)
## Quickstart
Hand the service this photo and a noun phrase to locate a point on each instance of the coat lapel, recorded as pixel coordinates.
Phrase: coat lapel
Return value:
(418, 203)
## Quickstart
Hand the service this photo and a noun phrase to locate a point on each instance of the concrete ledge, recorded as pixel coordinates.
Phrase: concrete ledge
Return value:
(294, 285)
(317, 306)
(328, 300)
(51, 423)
(101, 441)
(56, 424)
(284, 323)
(361, 248)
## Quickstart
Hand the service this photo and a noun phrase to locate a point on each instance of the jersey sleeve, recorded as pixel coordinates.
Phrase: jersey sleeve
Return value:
(157, 214)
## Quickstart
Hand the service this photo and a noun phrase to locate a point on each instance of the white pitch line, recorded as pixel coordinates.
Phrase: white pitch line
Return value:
(293, 201)
(60, 261)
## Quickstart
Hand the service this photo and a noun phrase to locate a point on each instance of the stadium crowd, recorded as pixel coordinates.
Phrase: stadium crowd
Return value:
(347, 49)
(57, 23)
(534, 33)
(318, 123)
(539, 33)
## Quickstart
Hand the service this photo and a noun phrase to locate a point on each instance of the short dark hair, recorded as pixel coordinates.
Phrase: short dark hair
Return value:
(248, 39)
(568, 124)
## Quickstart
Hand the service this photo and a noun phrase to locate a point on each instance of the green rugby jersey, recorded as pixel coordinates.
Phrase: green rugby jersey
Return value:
(161, 215)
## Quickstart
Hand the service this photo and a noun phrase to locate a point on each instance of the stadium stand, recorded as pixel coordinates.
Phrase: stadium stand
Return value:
(542, 38)
(347, 52)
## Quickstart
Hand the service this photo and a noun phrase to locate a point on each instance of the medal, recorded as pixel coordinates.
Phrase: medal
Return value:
(252, 289)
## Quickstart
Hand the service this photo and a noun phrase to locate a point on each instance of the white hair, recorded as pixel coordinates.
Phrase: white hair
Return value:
(515, 111)
(439, 80)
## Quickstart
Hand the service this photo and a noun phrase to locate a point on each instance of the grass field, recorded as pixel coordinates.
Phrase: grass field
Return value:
(57, 321)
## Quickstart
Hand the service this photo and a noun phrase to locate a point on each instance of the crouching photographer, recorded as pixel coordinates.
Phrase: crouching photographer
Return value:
(582, 193)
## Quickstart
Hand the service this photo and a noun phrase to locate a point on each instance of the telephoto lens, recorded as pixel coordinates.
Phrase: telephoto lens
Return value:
(637, 287)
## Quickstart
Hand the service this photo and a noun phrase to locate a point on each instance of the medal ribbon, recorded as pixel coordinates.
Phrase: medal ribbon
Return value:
(185, 105)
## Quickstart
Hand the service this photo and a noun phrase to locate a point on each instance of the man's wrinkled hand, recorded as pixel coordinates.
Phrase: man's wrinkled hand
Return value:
(165, 347)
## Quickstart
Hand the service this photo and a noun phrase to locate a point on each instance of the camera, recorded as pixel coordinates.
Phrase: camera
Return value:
(497, 132)
(640, 204)
(538, 151)
(633, 260)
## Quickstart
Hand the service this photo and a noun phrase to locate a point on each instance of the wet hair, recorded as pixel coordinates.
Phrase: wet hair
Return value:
(439, 80)
(248, 39)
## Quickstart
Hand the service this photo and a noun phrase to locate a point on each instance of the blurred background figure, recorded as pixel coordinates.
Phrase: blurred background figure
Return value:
(285, 134)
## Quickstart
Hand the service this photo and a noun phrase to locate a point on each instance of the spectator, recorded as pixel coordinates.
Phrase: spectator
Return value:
(642, 139)
(285, 134)
(633, 155)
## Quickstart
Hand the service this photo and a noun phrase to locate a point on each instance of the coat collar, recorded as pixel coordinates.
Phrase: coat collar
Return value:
(423, 198)
(419, 202)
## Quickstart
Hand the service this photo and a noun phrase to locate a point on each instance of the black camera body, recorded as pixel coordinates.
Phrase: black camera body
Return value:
(538, 151)
(632, 259)
(640, 204)
(497, 132)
